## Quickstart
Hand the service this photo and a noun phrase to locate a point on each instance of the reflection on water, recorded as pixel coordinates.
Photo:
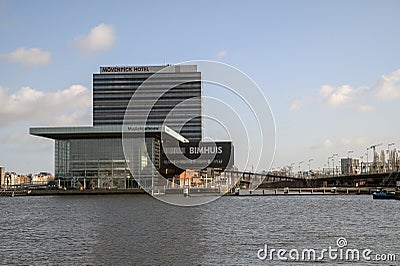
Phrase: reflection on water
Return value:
(137, 229)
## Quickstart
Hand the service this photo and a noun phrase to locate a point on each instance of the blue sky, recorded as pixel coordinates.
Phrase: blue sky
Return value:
(330, 69)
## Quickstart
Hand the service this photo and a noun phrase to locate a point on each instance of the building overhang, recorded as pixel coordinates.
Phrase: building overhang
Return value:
(103, 131)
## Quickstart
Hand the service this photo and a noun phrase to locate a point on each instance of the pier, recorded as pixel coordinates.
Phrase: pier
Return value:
(13, 192)
(307, 191)
(61, 192)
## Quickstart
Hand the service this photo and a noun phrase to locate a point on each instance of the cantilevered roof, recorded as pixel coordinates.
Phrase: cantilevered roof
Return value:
(102, 131)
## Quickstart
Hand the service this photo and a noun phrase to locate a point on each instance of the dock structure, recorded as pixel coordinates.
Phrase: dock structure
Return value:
(61, 192)
(286, 191)
(14, 192)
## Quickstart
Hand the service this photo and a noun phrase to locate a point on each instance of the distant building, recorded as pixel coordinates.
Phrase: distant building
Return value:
(2, 176)
(189, 178)
(10, 179)
(14, 179)
(23, 179)
(41, 178)
(350, 166)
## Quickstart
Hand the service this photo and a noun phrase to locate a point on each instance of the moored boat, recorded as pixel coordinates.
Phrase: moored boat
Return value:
(383, 195)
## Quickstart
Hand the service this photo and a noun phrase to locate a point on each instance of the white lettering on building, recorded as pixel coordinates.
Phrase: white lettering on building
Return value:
(205, 150)
(124, 69)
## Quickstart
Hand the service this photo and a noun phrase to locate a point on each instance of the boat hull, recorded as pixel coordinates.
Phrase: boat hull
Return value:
(383, 195)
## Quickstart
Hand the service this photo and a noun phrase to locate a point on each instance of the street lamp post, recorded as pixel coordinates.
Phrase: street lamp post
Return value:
(300, 168)
(291, 167)
(362, 162)
(348, 153)
(367, 170)
(309, 167)
(333, 162)
(390, 144)
(329, 158)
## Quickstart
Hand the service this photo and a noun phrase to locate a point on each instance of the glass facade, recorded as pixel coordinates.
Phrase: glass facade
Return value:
(101, 161)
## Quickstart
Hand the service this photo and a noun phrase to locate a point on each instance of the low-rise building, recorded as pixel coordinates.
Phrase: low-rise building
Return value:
(14, 179)
(2, 176)
(42, 178)
(350, 166)
(10, 179)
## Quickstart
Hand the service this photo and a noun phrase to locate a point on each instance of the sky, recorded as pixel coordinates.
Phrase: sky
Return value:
(330, 70)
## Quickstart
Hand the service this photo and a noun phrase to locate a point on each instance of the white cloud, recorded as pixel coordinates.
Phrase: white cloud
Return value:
(344, 96)
(340, 96)
(222, 54)
(388, 87)
(69, 106)
(328, 143)
(28, 57)
(100, 38)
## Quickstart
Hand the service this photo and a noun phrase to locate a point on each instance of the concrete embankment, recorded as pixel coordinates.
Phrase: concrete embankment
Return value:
(55, 192)
(308, 191)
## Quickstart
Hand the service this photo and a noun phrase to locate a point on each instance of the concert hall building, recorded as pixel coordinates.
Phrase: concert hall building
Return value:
(94, 155)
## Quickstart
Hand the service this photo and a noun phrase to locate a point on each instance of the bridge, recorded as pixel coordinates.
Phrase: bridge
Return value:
(251, 180)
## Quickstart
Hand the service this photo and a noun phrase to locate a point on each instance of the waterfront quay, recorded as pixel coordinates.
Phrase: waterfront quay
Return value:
(238, 183)
(228, 180)
(270, 186)
(286, 191)
(68, 192)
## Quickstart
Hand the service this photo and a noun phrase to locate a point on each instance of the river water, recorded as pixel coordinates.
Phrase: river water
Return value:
(140, 230)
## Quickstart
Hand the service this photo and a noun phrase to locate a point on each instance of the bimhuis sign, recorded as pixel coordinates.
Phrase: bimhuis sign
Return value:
(197, 155)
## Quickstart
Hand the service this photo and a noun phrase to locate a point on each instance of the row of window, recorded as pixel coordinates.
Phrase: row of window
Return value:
(127, 88)
(146, 95)
(144, 116)
(162, 103)
(144, 76)
(156, 110)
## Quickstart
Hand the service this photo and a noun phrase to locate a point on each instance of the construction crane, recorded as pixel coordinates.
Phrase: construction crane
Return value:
(368, 169)
(374, 146)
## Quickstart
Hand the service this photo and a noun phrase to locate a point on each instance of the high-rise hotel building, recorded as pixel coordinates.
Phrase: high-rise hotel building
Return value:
(176, 88)
(95, 153)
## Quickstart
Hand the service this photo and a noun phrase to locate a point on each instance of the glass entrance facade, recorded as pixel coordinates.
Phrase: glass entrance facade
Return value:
(101, 161)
